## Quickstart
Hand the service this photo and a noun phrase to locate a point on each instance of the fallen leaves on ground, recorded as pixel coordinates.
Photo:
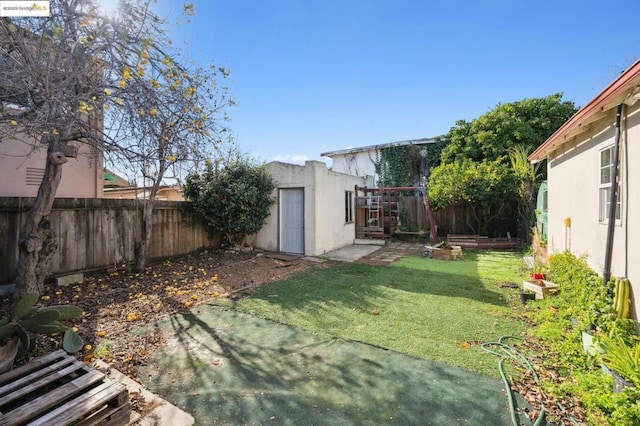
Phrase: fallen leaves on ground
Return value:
(121, 299)
(561, 410)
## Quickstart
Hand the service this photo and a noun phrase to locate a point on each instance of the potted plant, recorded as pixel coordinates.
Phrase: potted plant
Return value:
(537, 271)
(526, 296)
(27, 318)
(623, 360)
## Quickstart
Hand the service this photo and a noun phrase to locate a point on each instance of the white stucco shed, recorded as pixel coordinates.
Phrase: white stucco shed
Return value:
(313, 213)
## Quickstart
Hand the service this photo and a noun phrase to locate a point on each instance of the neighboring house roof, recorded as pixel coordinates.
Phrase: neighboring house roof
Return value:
(624, 89)
(112, 180)
(165, 192)
(422, 141)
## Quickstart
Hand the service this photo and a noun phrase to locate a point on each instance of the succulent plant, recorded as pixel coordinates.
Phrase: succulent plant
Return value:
(27, 318)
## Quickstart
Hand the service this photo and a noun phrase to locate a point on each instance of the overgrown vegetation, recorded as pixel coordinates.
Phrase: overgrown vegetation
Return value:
(496, 143)
(486, 188)
(400, 165)
(235, 199)
(558, 325)
(527, 180)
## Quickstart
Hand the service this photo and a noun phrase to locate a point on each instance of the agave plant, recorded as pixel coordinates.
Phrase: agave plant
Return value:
(27, 318)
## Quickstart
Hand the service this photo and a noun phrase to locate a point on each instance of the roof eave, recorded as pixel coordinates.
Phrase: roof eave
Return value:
(623, 88)
(422, 141)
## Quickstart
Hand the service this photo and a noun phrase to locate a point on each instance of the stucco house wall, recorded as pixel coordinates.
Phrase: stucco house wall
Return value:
(325, 228)
(21, 171)
(573, 193)
(361, 161)
(573, 156)
(22, 166)
(355, 163)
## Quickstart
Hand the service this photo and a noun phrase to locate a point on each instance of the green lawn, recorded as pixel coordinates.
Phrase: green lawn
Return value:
(423, 307)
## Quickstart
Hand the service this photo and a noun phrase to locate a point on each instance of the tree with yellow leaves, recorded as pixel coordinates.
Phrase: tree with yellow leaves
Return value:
(170, 118)
(66, 80)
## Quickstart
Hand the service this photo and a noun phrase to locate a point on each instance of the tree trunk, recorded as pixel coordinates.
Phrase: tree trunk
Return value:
(432, 223)
(147, 228)
(474, 215)
(39, 241)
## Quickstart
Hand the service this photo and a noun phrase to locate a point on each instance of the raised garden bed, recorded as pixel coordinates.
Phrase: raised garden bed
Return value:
(444, 251)
(453, 253)
(482, 242)
(541, 288)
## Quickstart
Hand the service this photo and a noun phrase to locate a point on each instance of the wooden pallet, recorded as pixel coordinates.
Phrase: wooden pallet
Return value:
(480, 242)
(57, 389)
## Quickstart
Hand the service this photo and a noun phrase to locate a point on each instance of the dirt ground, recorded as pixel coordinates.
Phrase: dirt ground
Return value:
(120, 300)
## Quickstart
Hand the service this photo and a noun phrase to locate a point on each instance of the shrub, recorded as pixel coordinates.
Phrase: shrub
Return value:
(558, 323)
(234, 200)
(583, 297)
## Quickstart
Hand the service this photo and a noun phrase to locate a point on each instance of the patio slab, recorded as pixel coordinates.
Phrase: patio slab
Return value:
(352, 253)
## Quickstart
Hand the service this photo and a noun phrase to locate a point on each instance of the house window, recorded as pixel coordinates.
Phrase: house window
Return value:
(606, 185)
(348, 206)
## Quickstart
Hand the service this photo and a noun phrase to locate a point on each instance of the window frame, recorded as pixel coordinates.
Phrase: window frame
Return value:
(604, 188)
(348, 207)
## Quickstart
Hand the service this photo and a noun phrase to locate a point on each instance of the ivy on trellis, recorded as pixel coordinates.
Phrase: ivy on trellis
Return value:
(399, 165)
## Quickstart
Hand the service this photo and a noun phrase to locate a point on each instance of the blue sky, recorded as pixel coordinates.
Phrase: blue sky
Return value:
(312, 76)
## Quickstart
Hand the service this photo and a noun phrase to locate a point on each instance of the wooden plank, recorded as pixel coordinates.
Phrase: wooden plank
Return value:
(108, 415)
(122, 417)
(9, 241)
(28, 383)
(89, 398)
(81, 236)
(51, 399)
(31, 366)
(482, 242)
(51, 376)
(84, 403)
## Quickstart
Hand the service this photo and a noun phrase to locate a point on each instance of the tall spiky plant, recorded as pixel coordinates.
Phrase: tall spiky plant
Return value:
(528, 180)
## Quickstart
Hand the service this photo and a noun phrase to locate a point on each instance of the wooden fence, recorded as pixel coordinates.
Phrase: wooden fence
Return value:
(452, 219)
(98, 233)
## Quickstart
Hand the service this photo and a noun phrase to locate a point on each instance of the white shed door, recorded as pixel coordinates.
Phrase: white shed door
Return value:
(292, 220)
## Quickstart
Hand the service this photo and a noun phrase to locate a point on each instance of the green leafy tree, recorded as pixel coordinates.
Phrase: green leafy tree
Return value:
(497, 143)
(485, 188)
(489, 137)
(235, 199)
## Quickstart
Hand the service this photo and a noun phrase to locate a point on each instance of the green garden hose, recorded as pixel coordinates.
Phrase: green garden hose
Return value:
(508, 352)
